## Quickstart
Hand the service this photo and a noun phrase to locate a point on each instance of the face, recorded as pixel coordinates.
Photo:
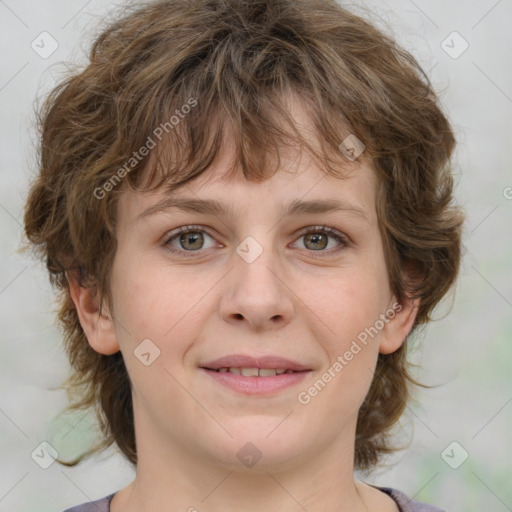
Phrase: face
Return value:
(251, 323)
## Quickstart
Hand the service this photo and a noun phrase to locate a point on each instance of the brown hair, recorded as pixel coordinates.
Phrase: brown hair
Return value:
(236, 60)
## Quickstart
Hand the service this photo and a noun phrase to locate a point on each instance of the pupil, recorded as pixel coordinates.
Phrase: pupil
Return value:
(316, 238)
(193, 237)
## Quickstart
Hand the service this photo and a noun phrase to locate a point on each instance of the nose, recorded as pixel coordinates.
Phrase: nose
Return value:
(256, 292)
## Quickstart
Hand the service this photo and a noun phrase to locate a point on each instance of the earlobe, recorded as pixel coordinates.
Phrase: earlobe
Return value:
(401, 318)
(98, 326)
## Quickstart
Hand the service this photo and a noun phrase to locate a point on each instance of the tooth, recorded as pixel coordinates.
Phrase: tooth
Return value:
(279, 372)
(223, 370)
(234, 370)
(267, 372)
(289, 371)
(249, 372)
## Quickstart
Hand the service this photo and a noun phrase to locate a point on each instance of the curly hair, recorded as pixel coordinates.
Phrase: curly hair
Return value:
(236, 60)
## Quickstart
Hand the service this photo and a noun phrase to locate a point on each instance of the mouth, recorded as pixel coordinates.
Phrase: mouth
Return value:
(252, 365)
(256, 375)
(254, 372)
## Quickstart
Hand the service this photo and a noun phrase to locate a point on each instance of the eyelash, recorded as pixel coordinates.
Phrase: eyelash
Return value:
(306, 231)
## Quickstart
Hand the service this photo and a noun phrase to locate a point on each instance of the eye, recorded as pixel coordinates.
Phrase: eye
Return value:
(316, 239)
(187, 239)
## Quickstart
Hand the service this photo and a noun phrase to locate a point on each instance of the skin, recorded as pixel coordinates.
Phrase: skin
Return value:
(291, 301)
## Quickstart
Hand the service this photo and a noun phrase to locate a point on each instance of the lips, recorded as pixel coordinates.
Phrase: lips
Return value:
(255, 366)
(254, 372)
(256, 376)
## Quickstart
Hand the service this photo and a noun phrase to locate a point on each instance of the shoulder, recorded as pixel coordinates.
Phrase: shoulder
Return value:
(102, 505)
(406, 504)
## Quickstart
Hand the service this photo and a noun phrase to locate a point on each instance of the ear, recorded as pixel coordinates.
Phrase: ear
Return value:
(400, 319)
(99, 327)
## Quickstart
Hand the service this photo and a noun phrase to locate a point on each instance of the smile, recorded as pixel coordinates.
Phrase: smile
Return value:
(255, 375)
(255, 372)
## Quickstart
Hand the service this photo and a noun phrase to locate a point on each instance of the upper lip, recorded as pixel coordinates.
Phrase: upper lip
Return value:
(243, 361)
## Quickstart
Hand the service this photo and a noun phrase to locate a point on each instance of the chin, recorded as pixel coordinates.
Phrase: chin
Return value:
(258, 446)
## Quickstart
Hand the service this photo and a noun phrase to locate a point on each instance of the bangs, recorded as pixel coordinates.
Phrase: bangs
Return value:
(190, 136)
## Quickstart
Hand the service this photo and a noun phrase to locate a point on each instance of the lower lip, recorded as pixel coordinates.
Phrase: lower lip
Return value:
(256, 385)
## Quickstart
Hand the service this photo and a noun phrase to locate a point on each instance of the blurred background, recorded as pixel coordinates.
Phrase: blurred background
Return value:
(459, 433)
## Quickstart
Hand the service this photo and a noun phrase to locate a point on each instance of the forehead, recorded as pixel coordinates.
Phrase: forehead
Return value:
(307, 190)
(298, 178)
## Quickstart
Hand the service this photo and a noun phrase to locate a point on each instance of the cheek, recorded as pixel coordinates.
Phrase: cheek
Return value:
(158, 302)
(346, 304)
(347, 309)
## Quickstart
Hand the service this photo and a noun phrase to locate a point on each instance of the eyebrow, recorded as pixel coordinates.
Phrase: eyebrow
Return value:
(213, 207)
